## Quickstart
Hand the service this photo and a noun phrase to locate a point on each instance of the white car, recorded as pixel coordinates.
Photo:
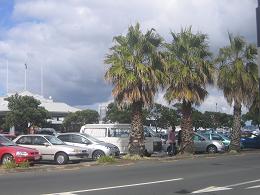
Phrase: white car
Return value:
(52, 148)
(95, 147)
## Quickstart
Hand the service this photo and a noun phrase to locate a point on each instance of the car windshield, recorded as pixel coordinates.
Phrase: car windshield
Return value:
(91, 138)
(54, 140)
(224, 137)
(6, 142)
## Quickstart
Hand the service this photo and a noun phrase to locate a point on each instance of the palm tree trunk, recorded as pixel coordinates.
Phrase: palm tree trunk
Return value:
(187, 131)
(136, 140)
(236, 130)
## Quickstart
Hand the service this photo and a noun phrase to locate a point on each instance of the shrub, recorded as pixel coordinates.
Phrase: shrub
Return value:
(24, 164)
(131, 157)
(10, 165)
(106, 159)
(13, 165)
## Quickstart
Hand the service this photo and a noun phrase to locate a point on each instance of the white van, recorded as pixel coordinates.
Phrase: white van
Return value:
(118, 134)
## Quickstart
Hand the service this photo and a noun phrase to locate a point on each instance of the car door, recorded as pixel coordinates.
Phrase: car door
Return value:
(80, 141)
(257, 141)
(45, 148)
(200, 143)
(65, 138)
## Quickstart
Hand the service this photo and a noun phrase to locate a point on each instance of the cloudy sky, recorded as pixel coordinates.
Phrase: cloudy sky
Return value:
(69, 39)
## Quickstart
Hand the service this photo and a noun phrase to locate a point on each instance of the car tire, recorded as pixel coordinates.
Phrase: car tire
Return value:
(61, 158)
(212, 149)
(7, 158)
(97, 154)
(147, 154)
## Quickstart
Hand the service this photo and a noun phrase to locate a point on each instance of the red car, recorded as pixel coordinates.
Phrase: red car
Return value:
(10, 151)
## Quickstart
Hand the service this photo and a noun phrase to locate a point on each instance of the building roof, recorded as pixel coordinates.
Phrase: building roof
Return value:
(48, 104)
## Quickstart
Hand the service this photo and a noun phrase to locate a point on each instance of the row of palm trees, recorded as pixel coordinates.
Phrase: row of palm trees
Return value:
(141, 64)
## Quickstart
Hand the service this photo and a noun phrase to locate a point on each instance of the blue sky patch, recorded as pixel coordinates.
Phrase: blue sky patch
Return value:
(6, 10)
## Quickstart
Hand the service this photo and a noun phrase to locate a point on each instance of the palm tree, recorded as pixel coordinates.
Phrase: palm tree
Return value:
(135, 73)
(238, 80)
(189, 70)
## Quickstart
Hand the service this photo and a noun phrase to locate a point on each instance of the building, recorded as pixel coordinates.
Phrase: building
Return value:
(57, 110)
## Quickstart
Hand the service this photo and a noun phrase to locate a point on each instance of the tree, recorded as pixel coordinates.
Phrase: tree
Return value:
(189, 70)
(162, 116)
(25, 111)
(197, 119)
(134, 71)
(254, 112)
(74, 121)
(120, 115)
(238, 80)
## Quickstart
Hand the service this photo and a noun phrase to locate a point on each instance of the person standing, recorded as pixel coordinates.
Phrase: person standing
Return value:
(172, 141)
(180, 140)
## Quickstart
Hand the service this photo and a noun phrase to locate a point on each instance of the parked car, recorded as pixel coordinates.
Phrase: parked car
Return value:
(46, 131)
(95, 147)
(118, 134)
(10, 151)
(251, 142)
(203, 144)
(52, 148)
(218, 137)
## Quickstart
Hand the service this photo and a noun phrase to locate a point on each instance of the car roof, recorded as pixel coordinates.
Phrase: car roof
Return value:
(69, 133)
(33, 135)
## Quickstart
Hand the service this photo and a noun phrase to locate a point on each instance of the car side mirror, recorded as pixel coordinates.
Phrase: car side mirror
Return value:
(46, 144)
(86, 142)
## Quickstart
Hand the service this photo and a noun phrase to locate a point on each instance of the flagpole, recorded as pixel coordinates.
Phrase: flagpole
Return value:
(7, 77)
(41, 80)
(25, 77)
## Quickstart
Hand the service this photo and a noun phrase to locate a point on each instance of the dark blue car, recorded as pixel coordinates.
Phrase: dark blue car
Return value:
(251, 142)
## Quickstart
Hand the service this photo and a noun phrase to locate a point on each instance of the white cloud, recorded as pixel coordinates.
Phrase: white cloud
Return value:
(70, 39)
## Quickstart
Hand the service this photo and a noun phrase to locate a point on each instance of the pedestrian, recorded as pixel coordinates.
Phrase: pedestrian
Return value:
(180, 140)
(172, 141)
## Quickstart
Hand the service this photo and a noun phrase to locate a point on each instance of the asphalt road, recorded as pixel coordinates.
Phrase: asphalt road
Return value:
(224, 175)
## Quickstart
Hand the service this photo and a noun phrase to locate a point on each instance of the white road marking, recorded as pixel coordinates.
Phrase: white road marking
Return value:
(115, 187)
(211, 189)
(215, 188)
(253, 187)
(243, 183)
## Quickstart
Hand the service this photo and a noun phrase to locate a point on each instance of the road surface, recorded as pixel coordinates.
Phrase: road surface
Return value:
(221, 175)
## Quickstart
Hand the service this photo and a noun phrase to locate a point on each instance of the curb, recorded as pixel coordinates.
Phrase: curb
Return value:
(120, 162)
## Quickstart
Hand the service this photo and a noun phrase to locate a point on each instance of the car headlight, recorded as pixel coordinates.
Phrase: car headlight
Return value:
(21, 153)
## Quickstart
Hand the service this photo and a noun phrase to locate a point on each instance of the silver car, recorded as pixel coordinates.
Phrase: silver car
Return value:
(95, 147)
(52, 148)
(203, 144)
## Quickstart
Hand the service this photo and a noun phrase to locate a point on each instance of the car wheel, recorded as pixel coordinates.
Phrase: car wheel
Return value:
(212, 149)
(97, 154)
(147, 154)
(7, 158)
(61, 158)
